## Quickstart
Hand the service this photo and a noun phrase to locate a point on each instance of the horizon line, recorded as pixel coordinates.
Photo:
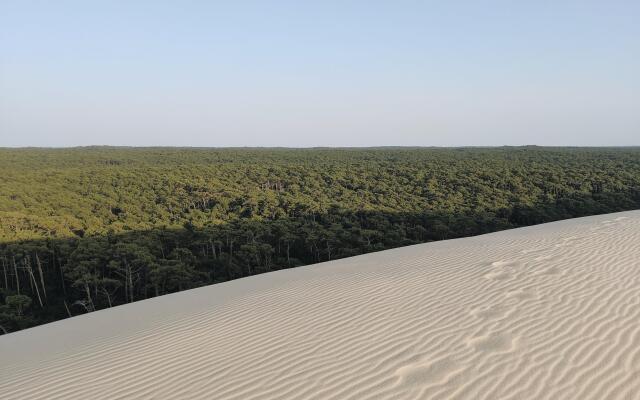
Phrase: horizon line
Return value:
(109, 146)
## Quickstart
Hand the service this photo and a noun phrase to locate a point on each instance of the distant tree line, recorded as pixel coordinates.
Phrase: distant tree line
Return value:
(90, 228)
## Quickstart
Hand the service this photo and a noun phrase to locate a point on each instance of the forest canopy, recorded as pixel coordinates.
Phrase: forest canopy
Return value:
(89, 228)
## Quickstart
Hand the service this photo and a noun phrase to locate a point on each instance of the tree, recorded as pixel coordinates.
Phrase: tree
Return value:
(100, 227)
(18, 303)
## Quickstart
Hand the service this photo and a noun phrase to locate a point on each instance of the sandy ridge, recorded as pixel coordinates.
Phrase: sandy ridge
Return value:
(544, 312)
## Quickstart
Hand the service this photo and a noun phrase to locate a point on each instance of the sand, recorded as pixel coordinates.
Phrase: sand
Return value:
(544, 312)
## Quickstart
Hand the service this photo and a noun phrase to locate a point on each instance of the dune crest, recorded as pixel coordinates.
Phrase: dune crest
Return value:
(544, 312)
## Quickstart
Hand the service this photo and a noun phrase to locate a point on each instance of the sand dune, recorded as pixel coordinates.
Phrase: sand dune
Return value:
(545, 312)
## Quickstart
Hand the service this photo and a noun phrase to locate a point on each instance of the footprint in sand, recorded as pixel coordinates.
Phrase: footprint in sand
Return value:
(548, 257)
(566, 241)
(490, 313)
(427, 371)
(519, 294)
(497, 275)
(495, 342)
(503, 264)
(501, 270)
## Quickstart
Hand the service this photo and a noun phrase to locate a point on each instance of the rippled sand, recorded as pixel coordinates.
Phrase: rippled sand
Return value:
(545, 312)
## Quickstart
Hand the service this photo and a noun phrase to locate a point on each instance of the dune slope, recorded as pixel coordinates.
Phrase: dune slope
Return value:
(544, 312)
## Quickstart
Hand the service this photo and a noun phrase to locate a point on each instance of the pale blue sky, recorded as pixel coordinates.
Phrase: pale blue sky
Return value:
(343, 73)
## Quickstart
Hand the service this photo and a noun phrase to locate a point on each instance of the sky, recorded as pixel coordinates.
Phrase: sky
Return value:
(319, 73)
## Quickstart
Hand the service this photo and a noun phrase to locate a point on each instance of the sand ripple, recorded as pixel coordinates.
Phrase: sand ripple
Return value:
(545, 312)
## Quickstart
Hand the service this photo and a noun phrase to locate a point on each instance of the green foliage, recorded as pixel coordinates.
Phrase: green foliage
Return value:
(12, 313)
(89, 228)
(18, 304)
